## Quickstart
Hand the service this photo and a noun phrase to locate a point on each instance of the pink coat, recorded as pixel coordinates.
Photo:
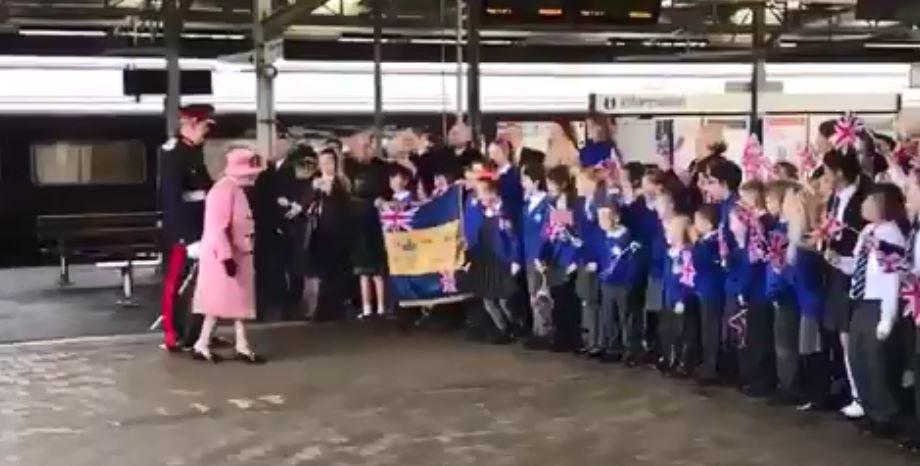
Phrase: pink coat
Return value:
(228, 234)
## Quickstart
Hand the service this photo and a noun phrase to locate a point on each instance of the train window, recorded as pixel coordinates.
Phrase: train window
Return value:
(101, 162)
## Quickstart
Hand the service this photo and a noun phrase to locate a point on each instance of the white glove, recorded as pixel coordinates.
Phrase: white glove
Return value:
(592, 267)
(571, 269)
(679, 309)
(540, 266)
(193, 251)
(741, 301)
(515, 268)
(883, 330)
(284, 202)
(294, 211)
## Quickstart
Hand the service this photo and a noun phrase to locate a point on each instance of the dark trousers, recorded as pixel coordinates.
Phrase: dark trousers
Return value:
(272, 265)
(679, 335)
(710, 337)
(587, 287)
(181, 327)
(786, 345)
(756, 363)
(869, 361)
(566, 316)
(616, 327)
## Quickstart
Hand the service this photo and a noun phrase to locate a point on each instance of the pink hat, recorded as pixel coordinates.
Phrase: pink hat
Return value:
(242, 162)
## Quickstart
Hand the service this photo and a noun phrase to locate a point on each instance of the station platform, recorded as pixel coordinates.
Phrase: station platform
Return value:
(34, 307)
(368, 394)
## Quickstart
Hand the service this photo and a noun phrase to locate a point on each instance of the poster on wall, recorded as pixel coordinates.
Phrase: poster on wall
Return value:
(735, 132)
(686, 130)
(784, 136)
(636, 140)
(538, 133)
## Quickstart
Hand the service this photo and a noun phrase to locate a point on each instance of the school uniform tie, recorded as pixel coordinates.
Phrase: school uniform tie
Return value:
(858, 286)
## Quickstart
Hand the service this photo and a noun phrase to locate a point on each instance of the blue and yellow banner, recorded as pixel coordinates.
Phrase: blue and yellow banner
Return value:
(424, 249)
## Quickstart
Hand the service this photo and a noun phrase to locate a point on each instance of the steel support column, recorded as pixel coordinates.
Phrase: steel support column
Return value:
(265, 95)
(759, 66)
(473, 9)
(173, 34)
(378, 77)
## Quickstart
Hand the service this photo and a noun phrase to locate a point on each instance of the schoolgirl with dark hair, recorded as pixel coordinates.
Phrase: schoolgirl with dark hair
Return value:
(492, 252)
(880, 251)
(561, 261)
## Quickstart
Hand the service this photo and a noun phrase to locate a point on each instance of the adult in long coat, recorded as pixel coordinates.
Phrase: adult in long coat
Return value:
(226, 274)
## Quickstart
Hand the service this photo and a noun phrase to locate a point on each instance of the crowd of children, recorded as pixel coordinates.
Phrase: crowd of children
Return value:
(796, 284)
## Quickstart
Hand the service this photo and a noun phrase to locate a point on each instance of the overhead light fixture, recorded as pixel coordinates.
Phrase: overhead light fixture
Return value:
(894, 45)
(60, 33)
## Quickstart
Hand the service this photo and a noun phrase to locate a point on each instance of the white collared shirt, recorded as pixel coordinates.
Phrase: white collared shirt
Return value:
(843, 200)
(402, 196)
(845, 264)
(882, 285)
(534, 200)
(505, 169)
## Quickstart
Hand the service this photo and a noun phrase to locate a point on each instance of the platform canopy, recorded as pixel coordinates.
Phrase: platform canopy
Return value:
(702, 30)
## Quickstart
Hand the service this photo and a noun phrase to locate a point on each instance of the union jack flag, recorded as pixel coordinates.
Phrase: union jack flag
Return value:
(737, 326)
(559, 224)
(448, 281)
(397, 217)
(891, 259)
(808, 159)
(776, 250)
(687, 270)
(757, 243)
(753, 161)
(830, 229)
(910, 293)
(847, 131)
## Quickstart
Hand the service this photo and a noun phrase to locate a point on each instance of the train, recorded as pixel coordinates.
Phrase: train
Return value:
(73, 141)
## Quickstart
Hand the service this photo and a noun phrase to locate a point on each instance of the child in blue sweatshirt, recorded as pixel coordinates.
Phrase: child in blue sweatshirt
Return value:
(591, 190)
(535, 250)
(679, 321)
(710, 289)
(560, 262)
(621, 320)
(492, 252)
(750, 316)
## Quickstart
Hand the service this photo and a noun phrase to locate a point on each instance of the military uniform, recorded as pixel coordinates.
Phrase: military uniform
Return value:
(184, 183)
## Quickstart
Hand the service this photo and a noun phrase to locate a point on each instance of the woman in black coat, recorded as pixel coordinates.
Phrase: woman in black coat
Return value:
(327, 239)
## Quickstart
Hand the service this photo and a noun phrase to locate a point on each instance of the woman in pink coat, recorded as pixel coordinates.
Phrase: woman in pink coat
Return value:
(226, 275)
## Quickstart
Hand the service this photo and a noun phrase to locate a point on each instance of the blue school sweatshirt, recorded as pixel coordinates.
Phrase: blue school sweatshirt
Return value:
(642, 221)
(589, 231)
(562, 252)
(746, 274)
(710, 275)
(510, 190)
(594, 153)
(674, 290)
(617, 262)
(504, 241)
(534, 216)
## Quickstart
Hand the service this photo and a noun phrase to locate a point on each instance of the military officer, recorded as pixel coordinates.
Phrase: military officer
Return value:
(184, 183)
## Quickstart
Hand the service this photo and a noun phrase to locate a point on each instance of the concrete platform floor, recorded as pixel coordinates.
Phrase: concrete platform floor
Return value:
(34, 307)
(367, 394)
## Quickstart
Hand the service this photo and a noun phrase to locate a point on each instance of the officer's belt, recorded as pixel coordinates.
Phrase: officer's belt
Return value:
(194, 196)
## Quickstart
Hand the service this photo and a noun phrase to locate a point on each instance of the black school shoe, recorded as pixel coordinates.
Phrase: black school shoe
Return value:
(911, 442)
(783, 398)
(610, 358)
(537, 343)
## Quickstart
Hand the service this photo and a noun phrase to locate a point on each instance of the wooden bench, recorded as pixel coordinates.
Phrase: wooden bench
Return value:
(122, 241)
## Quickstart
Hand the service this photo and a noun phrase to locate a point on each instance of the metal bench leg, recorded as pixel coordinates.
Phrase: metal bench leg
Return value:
(64, 275)
(127, 286)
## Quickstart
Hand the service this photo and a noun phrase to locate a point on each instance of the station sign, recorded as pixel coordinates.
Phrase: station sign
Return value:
(740, 103)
